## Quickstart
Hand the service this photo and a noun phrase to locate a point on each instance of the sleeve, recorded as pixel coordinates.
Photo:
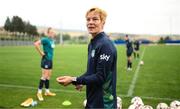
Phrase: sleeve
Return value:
(103, 66)
(83, 75)
(43, 41)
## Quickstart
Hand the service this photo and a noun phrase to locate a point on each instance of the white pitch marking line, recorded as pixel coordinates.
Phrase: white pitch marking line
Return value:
(29, 87)
(69, 91)
(132, 85)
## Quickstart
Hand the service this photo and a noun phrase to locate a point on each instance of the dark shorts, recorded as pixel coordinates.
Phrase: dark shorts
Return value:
(129, 53)
(136, 49)
(46, 64)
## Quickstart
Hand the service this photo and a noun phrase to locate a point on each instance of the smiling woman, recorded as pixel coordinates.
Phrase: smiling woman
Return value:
(95, 19)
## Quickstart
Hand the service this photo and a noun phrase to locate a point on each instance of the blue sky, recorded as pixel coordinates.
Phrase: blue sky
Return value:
(125, 16)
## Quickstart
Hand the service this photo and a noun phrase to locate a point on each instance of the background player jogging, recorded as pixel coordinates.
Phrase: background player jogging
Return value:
(46, 62)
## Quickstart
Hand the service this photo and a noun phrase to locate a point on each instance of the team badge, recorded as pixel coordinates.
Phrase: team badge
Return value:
(46, 66)
(52, 45)
(92, 53)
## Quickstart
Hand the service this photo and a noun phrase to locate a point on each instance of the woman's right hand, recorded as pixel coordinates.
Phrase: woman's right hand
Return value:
(42, 54)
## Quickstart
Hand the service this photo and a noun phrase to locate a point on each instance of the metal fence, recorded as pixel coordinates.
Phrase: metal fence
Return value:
(16, 39)
(15, 43)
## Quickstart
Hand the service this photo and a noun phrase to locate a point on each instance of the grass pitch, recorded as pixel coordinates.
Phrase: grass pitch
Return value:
(156, 81)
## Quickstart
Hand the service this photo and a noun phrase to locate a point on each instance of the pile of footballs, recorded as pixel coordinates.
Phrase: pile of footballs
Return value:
(137, 103)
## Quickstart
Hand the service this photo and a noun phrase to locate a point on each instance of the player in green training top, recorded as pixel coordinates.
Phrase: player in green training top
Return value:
(46, 62)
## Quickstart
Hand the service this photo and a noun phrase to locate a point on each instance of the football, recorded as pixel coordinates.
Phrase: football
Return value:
(119, 103)
(141, 62)
(175, 104)
(162, 106)
(137, 101)
(149, 107)
(84, 103)
(132, 106)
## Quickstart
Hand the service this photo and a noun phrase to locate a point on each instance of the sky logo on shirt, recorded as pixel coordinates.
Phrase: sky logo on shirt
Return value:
(104, 57)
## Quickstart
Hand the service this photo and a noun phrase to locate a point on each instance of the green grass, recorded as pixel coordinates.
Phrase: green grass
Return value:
(158, 80)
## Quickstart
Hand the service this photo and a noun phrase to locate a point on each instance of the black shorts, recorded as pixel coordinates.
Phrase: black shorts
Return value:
(129, 53)
(136, 49)
(46, 64)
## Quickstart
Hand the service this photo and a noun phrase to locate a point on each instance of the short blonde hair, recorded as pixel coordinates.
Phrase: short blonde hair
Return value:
(101, 12)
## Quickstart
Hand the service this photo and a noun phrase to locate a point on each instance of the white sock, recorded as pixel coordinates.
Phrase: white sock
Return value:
(42, 78)
(39, 90)
(47, 90)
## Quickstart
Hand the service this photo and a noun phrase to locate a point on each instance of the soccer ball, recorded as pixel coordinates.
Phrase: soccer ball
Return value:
(162, 106)
(84, 102)
(119, 103)
(175, 104)
(172, 108)
(132, 106)
(119, 100)
(137, 101)
(141, 62)
(119, 106)
(146, 107)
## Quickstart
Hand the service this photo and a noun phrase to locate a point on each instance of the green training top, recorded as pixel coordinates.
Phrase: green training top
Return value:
(48, 47)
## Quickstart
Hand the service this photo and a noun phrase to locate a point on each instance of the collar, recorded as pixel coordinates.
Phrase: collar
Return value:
(98, 36)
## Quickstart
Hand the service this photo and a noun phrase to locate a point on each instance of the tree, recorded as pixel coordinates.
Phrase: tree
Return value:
(7, 25)
(30, 29)
(82, 38)
(17, 24)
(33, 30)
(66, 37)
(27, 27)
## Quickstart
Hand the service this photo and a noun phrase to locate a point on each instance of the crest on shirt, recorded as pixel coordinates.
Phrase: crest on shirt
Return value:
(52, 45)
(92, 53)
